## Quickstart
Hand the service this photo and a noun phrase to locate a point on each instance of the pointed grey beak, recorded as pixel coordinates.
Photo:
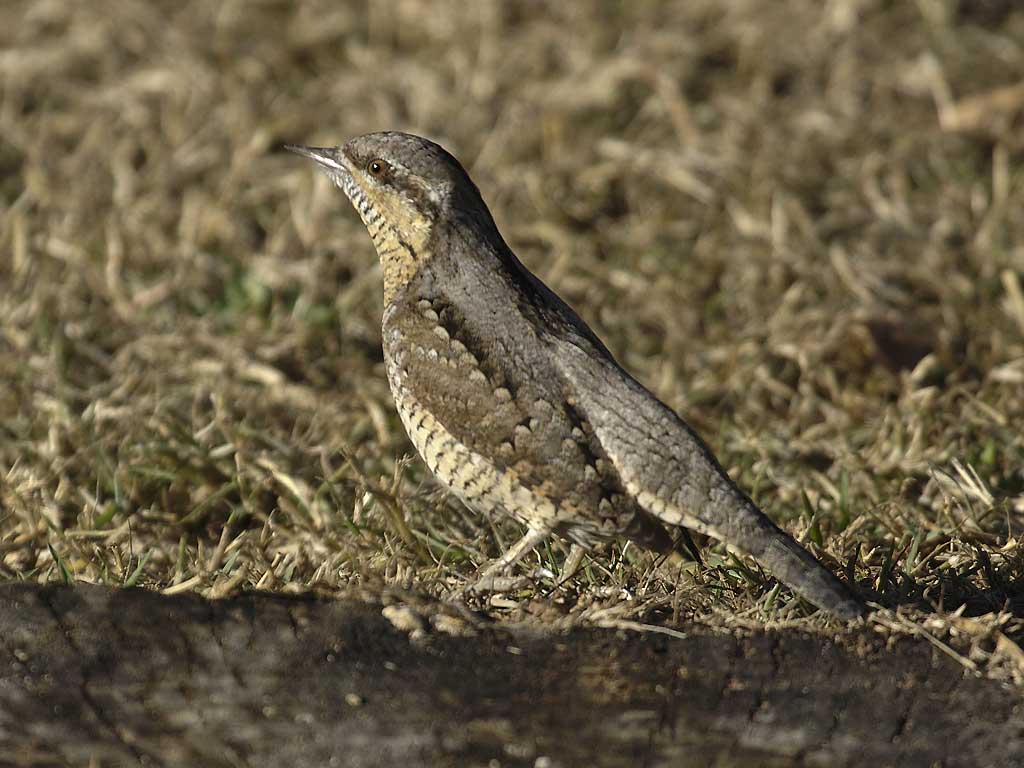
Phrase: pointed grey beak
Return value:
(328, 158)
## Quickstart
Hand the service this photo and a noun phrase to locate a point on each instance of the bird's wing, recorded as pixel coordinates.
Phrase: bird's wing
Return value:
(495, 395)
(673, 475)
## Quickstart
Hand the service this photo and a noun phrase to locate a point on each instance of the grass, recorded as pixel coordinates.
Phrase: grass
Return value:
(799, 223)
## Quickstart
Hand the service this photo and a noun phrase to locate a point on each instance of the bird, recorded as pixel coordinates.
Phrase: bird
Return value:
(511, 400)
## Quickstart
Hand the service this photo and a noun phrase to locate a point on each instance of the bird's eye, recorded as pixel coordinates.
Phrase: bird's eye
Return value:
(377, 167)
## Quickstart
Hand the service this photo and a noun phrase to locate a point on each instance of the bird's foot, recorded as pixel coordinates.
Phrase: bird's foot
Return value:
(495, 576)
(497, 583)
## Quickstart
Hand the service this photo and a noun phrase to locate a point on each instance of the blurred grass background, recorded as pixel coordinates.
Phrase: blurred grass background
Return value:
(799, 223)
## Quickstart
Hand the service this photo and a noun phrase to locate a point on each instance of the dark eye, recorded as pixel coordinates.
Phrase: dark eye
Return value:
(377, 167)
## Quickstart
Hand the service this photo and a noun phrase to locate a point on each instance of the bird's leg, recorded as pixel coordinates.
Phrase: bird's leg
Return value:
(493, 578)
(572, 563)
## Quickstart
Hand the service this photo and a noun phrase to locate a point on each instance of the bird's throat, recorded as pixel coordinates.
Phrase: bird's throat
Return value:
(400, 259)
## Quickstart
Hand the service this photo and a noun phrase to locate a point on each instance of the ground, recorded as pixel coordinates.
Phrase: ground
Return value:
(799, 223)
(115, 677)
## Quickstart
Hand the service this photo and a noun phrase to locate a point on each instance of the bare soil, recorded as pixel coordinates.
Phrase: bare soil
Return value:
(126, 676)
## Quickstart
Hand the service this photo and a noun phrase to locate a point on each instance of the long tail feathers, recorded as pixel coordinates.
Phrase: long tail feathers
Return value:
(796, 567)
(738, 522)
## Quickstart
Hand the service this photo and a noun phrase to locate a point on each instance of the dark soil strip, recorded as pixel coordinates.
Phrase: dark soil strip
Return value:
(129, 676)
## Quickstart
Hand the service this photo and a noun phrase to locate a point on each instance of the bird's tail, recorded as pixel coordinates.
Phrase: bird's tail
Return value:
(746, 527)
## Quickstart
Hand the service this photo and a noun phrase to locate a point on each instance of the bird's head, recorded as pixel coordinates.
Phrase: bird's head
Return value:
(402, 186)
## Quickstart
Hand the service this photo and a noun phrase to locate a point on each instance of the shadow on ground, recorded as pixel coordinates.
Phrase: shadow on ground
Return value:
(127, 676)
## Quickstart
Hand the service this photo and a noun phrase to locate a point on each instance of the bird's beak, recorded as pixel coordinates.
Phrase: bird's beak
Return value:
(329, 159)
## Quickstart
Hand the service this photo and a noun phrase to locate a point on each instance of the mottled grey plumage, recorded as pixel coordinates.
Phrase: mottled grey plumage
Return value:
(512, 401)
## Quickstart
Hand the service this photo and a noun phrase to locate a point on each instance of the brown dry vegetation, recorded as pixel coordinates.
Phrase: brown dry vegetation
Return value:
(800, 223)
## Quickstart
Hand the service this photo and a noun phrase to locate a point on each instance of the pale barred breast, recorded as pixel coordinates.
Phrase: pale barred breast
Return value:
(471, 476)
